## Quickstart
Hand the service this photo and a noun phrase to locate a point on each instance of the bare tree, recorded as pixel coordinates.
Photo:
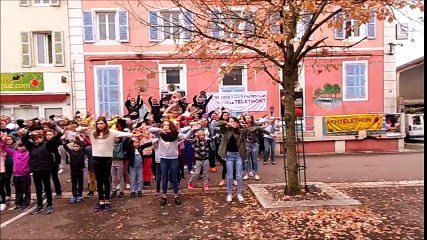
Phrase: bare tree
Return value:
(277, 34)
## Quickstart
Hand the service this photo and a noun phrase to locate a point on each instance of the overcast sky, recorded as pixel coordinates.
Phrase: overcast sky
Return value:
(413, 47)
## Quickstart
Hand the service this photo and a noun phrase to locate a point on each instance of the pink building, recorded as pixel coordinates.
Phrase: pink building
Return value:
(119, 54)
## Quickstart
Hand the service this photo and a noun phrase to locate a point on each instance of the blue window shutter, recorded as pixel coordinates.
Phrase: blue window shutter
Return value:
(123, 26)
(215, 27)
(307, 20)
(275, 28)
(88, 25)
(188, 24)
(153, 20)
(355, 81)
(250, 24)
(109, 90)
(371, 26)
(339, 33)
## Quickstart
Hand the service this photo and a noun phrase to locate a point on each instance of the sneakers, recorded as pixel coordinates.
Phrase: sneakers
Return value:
(79, 199)
(235, 182)
(163, 201)
(265, 163)
(156, 193)
(257, 177)
(121, 195)
(191, 172)
(24, 207)
(99, 207)
(2, 207)
(73, 199)
(240, 198)
(273, 162)
(213, 169)
(251, 174)
(205, 187)
(37, 210)
(139, 193)
(60, 171)
(90, 194)
(127, 186)
(107, 207)
(50, 210)
(58, 196)
(114, 194)
(17, 207)
(229, 198)
(222, 183)
(246, 177)
(133, 194)
(190, 185)
(178, 201)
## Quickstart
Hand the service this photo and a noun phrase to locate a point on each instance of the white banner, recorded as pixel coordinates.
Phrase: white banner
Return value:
(255, 101)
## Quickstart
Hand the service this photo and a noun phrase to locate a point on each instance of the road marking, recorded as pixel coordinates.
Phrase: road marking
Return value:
(412, 183)
(19, 216)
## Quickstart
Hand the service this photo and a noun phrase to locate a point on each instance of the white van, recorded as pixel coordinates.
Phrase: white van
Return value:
(414, 125)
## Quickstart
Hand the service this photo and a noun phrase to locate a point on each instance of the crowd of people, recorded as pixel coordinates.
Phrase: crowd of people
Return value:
(131, 151)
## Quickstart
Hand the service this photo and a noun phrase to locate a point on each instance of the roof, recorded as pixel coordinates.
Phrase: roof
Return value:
(410, 64)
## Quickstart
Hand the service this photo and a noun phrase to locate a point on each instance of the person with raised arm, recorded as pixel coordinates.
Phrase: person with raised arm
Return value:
(133, 106)
(102, 140)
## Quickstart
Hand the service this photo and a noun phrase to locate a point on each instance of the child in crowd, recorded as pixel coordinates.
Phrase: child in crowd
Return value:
(147, 153)
(117, 169)
(134, 153)
(201, 148)
(3, 178)
(21, 173)
(77, 165)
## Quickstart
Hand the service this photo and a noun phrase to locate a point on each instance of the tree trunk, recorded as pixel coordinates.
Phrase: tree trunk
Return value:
(290, 76)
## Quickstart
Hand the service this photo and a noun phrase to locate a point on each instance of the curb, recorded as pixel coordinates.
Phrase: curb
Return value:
(406, 151)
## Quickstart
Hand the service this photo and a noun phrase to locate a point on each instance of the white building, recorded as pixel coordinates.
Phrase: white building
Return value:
(35, 65)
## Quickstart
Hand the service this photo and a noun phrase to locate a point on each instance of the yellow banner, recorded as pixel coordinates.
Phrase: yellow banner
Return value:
(354, 123)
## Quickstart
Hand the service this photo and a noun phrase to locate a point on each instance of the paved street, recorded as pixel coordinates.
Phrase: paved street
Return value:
(387, 212)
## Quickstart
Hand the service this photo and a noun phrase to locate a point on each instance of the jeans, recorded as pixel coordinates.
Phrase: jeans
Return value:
(41, 180)
(269, 149)
(170, 169)
(22, 189)
(77, 183)
(136, 174)
(102, 167)
(117, 175)
(188, 155)
(233, 159)
(252, 163)
(158, 177)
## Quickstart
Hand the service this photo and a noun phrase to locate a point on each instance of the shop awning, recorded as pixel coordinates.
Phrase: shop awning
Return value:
(33, 98)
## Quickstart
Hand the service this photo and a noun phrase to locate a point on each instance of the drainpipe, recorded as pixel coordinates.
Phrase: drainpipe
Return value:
(72, 97)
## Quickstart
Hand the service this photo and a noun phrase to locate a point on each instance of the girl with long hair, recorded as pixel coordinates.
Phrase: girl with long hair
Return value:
(102, 140)
(169, 138)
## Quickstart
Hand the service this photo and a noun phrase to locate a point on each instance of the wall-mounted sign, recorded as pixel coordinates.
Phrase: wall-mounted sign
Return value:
(21, 82)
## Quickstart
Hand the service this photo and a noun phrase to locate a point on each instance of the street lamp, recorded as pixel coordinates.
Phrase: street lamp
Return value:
(271, 110)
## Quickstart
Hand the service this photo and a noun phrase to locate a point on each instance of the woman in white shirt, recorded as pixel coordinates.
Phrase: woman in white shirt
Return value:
(102, 140)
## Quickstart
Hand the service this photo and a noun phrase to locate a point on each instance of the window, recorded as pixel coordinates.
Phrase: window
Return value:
(232, 24)
(354, 29)
(26, 112)
(355, 80)
(41, 2)
(48, 49)
(175, 25)
(234, 77)
(108, 90)
(171, 29)
(51, 111)
(175, 74)
(105, 26)
(5, 111)
(43, 48)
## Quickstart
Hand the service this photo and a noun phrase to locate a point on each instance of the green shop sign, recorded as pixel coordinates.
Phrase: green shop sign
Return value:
(21, 82)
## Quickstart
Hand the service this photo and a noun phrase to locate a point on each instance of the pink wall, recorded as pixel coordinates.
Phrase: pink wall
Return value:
(316, 76)
(198, 78)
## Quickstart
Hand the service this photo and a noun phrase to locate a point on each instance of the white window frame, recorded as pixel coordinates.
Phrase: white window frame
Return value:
(46, 49)
(12, 107)
(162, 31)
(51, 107)
(41, 4)
(116, 28)
(96, 87)
(244, 77)
(95, 21)
(182, 77)
(344, 86)
(362, 31)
